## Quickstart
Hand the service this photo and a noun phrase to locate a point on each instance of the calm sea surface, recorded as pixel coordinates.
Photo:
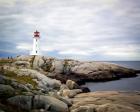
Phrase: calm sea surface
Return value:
(124, 84)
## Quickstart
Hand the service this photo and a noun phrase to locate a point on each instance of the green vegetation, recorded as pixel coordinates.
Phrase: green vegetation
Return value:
(66, 62)
(20, 79)
(66, 67)
(48, 65)
(6, 61)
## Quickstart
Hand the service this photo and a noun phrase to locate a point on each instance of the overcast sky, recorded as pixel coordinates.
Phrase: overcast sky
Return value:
(77, 29)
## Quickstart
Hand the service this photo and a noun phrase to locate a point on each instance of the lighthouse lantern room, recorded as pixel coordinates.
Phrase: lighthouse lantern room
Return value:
(35, 49)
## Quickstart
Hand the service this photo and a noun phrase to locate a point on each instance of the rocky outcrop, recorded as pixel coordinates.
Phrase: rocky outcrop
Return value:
(70, 93)
(29, 77)
(21, 64)
(31, 83)
(101, 71)
(53, 104)
(72, 85)
(108, 107)
(106, 101)
(70, 89)
(37, 61)
(22, 102)
(42, 80)
(6, 91)
(66, 100)
(47, 103)
(13, 83)
(76, 70)
(25, 97)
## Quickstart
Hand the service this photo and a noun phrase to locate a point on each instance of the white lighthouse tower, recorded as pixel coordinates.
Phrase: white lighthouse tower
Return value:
(35, 50)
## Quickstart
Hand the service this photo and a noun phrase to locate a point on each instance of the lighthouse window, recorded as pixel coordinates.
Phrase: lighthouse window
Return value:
(36, 40)
(36, 51)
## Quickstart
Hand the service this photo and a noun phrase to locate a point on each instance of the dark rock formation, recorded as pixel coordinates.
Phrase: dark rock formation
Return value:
(6, 91)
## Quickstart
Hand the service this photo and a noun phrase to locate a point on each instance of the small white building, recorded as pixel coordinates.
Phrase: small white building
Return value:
(35, 49)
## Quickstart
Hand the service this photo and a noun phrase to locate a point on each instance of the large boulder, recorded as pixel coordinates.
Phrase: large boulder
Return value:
(63, 86)
(66, 100)
(19, 86)
(49, 103)
(58, 66)
(86, 108)
(72, 85)
(6, 91)
(21, 101)
(5, 80)
(37, 62)
(71, 93)
(43, 81)
(100, 71)
(12, 82)
(21, 64)
(2, 110)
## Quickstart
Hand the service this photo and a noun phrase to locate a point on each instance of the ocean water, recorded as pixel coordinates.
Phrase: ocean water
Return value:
(128, 64)
(124, 84)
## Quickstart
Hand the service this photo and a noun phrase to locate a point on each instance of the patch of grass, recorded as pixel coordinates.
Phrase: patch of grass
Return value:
(21, 79)
(6, 61)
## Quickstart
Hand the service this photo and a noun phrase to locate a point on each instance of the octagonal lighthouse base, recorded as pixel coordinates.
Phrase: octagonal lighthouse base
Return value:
(35, 53)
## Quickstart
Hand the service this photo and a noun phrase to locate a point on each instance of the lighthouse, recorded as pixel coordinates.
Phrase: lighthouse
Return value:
(36, 38)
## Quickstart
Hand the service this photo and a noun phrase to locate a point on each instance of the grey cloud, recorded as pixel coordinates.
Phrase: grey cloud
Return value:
(78, 25)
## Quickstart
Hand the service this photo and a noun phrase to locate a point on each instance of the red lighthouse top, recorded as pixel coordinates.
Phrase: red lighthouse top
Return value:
(36, 34)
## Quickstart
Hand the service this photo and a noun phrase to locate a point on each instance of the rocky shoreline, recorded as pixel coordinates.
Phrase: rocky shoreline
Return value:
(45, 84)
(107, 101)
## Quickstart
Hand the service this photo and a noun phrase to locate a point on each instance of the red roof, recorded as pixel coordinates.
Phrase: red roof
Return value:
(36, 34)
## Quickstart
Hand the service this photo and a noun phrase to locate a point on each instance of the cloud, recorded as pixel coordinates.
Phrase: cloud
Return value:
(74, 52)
(24, 46)
(122, 51)
(87, 29)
